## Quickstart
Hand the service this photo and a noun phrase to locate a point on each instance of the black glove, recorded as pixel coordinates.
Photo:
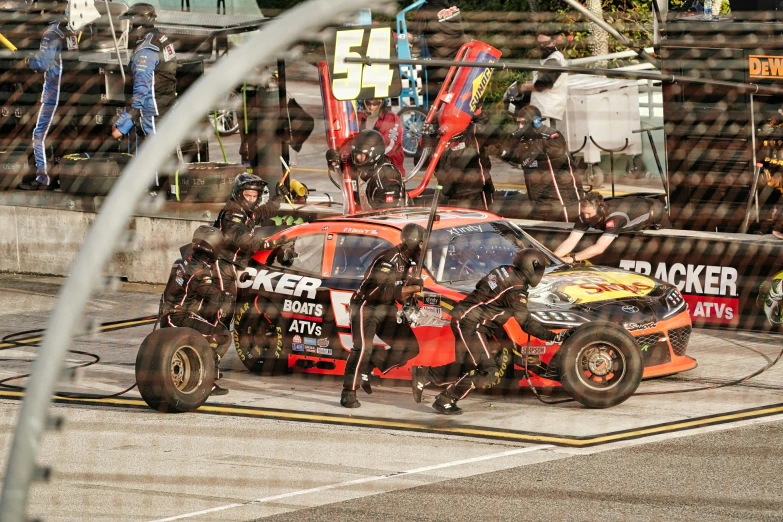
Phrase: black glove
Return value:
(282, 190)
(289, 254)
(563, 336)
(415, 281)
(332, 158)
(429, 129)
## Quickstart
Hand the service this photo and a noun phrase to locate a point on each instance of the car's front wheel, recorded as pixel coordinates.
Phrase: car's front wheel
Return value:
(600, 365)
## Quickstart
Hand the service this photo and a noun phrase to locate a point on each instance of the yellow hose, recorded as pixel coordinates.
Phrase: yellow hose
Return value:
(7, 43)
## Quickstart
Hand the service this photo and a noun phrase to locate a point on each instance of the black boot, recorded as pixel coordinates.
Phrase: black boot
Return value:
(349, 400)
(217, 390)
(419, 379)
(446, 405)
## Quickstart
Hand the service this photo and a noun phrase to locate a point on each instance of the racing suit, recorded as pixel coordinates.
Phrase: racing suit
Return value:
(390, 127)
(154, 68)
(463, 170)
(553, 185)
(237, 225)
(374, 312)
(498, 297)
(194, 299)
(385, 187)
(49, 60)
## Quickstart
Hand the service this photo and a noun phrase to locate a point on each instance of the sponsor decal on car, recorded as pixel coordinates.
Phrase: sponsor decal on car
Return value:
(309, 349)
(580, 287)
(297, 347)
(324, 351)
(323, 342)
(313, 309)
(709, 290)
(304, 327)
(278, 282)
(310, 340)
(431, 299)
(297, 339)
(466, 229)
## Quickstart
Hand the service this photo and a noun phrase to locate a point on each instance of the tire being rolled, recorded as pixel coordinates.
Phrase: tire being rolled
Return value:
(258, 338)
(600, 365)
(175, 370)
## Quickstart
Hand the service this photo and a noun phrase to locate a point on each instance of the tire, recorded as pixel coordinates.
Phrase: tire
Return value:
(227, 122)
(258, 339)
(412, 118)
(169, 350)
(204, 182)
(595, 176)
(92, 174)
(587, 351)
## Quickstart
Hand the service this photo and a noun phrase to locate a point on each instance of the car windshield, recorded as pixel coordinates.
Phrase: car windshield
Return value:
(464, 254)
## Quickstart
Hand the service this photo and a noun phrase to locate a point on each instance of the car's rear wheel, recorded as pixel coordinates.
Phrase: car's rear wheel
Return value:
(175, 370)
(258, 338)
(600, 365)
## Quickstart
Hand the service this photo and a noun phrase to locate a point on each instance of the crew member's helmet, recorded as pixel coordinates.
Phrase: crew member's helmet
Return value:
(141, 15)
(245, 182)
(411, 237)
(531, 263)
(367, 149)
(208, 240)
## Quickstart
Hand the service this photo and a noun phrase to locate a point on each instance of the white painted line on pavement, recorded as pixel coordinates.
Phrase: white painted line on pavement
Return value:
(364, 480)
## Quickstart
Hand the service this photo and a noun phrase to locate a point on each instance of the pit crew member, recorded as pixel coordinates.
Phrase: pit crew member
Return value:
(49, 61)
(377, 116)
(248, 206)
(464, 168)
(553, 185)
(499, 296)
(385, 187)
(374, 312)
(153, 65)
(614, 217)
(548, 89)
(193, 297)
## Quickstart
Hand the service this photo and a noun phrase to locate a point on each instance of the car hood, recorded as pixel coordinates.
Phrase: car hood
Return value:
(602, 292)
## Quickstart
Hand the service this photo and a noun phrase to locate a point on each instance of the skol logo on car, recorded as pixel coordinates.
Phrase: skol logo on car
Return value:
(710, 291)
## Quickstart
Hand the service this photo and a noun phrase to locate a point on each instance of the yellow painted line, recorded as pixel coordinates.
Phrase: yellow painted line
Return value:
(466, 431)
(104, 328)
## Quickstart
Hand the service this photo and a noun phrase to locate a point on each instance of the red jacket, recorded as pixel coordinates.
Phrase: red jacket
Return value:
(390, 127)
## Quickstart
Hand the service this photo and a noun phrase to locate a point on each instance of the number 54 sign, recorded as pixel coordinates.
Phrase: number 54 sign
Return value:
(356, 81)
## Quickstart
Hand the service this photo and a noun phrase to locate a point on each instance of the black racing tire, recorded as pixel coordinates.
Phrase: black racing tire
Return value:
(15, 165)
(209, 182)
(90, 174)
(258, 339)
(600, 365)
(175, 370)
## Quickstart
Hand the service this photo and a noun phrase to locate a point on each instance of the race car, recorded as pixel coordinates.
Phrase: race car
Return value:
(292, 314)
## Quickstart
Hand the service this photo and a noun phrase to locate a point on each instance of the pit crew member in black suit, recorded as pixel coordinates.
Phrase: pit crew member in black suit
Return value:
(499, 296)
(193, 297)
(374, 311)
(629, 214)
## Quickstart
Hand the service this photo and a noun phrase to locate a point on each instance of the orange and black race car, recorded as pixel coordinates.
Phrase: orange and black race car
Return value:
(293, 315)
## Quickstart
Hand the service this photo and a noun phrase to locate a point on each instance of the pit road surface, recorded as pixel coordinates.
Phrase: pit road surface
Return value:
(136, 464)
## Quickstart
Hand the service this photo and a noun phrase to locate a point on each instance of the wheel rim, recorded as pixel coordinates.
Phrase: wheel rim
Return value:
(227, 121)
(600, 365)
(411, 125)
(187, 370)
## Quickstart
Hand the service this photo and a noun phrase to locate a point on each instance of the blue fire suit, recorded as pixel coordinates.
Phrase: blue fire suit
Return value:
(154, 66)
(48, 60)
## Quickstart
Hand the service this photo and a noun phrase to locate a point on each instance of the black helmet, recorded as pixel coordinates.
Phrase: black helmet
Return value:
(410, 237)
(207, 239)
(370, 143)
(245, 182)
(143, 15)
(531, 263)
(530, 121)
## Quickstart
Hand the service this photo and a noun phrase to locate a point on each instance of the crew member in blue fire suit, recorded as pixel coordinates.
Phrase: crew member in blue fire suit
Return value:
(154, 68)
(48, 60)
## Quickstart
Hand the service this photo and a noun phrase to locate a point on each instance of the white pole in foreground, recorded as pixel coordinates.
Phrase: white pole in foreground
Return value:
(265, 47)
